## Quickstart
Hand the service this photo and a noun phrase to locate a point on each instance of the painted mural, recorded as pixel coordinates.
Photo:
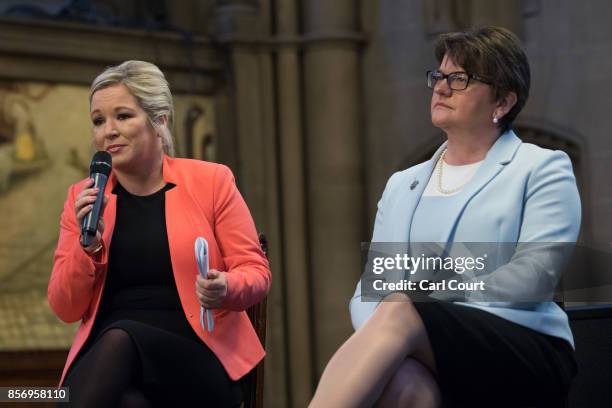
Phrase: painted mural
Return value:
(45, 145)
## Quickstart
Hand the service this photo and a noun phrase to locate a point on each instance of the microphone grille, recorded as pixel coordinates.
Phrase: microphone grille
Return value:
(101, 162)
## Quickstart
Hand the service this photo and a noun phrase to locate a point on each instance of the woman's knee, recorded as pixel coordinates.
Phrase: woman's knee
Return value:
(116, 336)
(412, 385)
(133, 398)
(119, 341)
(398, 315)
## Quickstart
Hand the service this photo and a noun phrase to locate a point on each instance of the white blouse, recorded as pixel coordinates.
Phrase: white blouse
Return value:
(453, 176)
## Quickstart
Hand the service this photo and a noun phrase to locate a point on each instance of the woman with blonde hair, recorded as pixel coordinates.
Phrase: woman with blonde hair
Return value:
(136, 289)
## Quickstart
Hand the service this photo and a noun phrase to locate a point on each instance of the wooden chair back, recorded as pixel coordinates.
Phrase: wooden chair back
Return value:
(253, 384)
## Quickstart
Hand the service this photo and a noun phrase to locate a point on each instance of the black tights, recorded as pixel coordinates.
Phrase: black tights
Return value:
(108, 375)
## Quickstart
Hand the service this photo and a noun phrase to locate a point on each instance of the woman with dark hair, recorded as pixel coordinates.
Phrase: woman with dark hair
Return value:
(136, 289)
(482, 185)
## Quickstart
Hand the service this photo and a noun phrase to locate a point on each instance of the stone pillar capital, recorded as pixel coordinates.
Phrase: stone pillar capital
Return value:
(237, 19)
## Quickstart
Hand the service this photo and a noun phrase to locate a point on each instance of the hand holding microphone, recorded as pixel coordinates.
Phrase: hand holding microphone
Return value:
(90, 202)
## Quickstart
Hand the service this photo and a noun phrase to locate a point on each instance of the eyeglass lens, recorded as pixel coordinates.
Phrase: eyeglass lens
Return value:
(457, 81)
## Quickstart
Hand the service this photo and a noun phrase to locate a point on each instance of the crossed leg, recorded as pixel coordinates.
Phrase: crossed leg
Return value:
(106, 374)
(412, 385)
(389, 360)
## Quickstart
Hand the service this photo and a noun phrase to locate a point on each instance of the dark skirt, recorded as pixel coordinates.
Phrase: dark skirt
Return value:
(485, 360)
(177, 368)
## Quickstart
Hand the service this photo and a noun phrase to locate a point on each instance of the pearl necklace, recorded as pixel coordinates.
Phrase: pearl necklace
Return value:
(440, 171)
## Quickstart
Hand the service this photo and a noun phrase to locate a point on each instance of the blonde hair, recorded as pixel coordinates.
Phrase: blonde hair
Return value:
(147, 84)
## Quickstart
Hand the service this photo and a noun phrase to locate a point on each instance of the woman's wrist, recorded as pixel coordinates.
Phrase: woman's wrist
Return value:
(93, 249)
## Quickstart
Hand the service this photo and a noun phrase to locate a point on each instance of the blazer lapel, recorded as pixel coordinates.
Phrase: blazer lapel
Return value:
(183, 225)
(409, 198)
(110, 211)
(500, 154)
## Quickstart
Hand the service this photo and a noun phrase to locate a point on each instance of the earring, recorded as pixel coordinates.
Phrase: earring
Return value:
(495, 120)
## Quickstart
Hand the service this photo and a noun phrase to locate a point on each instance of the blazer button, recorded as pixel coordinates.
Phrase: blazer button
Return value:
(191, 315)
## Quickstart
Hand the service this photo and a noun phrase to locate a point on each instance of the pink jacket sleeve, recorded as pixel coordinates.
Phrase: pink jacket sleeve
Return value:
(71, 286)
(248, 272)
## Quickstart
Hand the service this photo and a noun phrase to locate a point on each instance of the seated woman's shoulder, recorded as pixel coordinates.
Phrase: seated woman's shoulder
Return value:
(535, 155)
(409, 172)
(400, 179)
(200, 171)
(197, 165)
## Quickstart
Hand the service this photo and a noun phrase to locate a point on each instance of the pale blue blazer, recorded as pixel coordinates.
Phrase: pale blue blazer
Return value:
(520, 193)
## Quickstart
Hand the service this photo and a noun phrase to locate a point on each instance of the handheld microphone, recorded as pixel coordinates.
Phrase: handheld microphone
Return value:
(99, 170)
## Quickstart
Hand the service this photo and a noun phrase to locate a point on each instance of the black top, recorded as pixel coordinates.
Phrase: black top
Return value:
(139, 283)
(139, 253)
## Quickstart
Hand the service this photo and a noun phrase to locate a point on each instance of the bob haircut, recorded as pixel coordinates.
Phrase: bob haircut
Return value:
(495, 54)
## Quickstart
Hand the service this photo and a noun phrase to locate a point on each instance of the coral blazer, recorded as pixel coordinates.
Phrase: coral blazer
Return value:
(205, 202)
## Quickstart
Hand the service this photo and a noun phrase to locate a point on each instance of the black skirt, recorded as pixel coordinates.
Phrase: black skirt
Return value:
(176, 365)
(483, 360)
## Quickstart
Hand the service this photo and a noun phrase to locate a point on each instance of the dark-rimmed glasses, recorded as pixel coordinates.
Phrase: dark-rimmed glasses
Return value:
(457, 81)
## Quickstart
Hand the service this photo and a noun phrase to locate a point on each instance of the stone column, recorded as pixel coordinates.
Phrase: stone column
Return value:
(505, 13)
(240, 27)
(333, 146)
(297, 276)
